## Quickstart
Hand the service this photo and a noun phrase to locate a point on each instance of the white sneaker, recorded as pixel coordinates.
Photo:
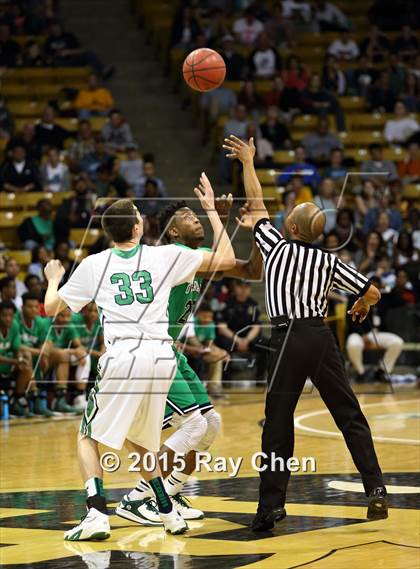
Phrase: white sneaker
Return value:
(80, 402)
(185, 509)
(144, 512)
(173, 522)
(94, 526)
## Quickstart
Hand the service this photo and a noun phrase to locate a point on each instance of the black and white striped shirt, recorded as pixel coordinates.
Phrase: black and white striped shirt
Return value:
(299, 276)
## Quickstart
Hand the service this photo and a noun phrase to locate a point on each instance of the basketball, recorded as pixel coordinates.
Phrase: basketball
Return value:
(204, 69)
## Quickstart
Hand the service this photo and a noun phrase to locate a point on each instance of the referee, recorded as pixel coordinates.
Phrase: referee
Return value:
(298, 278)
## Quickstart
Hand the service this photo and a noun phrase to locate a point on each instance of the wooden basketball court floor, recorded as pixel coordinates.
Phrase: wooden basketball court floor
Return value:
(325, 528)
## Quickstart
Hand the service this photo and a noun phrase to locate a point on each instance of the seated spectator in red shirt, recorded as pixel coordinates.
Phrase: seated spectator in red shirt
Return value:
(295, 75)
(409, 168)
(264, 61)
(49, 134)
(18, 174)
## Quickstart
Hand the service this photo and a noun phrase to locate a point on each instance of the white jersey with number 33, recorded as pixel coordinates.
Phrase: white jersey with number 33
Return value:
(131, 288)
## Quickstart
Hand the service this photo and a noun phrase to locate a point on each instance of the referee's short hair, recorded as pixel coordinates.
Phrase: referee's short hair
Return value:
(119, 219)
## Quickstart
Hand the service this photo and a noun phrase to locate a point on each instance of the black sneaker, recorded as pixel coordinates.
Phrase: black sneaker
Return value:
(381, 377)
(264, 521)
(378, 504)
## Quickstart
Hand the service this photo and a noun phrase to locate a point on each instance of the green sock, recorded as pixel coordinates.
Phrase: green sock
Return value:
(163, 501)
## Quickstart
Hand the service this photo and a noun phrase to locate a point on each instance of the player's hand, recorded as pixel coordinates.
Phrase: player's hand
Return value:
(239, 149)
(359, 310)
(245, 217)
(223, 206)
(54, 270)
(205, 193)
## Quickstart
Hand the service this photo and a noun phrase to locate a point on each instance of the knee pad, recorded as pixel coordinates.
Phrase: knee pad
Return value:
(214, 422)
(190, 429)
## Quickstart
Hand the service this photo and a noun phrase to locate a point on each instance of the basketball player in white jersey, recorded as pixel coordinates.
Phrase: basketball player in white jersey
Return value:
(130, 284)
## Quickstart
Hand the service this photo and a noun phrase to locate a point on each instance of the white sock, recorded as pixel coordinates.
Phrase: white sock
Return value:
(141, 491)
(174, 484)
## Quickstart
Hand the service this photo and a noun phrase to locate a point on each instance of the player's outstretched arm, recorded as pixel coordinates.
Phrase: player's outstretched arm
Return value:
(223, 257)
(54, 272)
(238, 149)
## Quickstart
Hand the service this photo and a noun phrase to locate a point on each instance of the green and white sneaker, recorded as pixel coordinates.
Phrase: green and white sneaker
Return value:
(61, 406)
(20, 408)
(173, 522)
(94, 526)
(184, 508)
(143, 512)
(41, 408)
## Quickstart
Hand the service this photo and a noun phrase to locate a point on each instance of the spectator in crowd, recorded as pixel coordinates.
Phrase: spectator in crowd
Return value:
(10, 54)
(302, 192)
(301, 166)
(376, 168)
(49, 134)
(347, 232)
(40, 257)
(277, 28)
(76, 211)
(237, 125)
(213, 104)
(369, 335)
(289, 202)
(63, 49)
(317, 101)
(33, 56)
(33, 284)
(109, 182)
(405, 251)
(397, 74)
(82, 146)
(333, 78)
(367, 258)
(185, 28)
(149, 173)
(336, 169)
(326, 200)
(298, 15)
(319, 144)
(295, 75)
(409, 167)
(402, 127)
(7, 124)
(116, 132)
(235, 63)
(151, 202)
(55, 174)
(274, 132)
(26, 138)
(91, 336)
(12, 270)
(375, 46)
(388, 234)
(406, 44)
(363, 76)
(368, 197)
(91, 161)
(96, 100)
(62, 254)
(410, 93)
(131, 168)
(239, 325)
(8, 292)
(381, 97)
(344, 48)
(250, 99)
(384, 273)
(264, 61)
(282, 97)
(38, 229)
(18, 174)
(247, 28)
(384, 205)
(216, 27)
(329, 17)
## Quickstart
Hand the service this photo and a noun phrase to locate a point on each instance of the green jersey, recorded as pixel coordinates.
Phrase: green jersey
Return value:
(205, 333)
(62, 336)
(88, 338)
(35, 335)
(182, 300)
(9, 346)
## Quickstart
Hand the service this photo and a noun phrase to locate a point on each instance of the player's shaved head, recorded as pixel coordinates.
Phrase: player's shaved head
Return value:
(119, 219)
(306, 222)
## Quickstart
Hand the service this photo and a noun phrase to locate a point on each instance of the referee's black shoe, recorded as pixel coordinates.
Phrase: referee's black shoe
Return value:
(378, 504)
(265, 521)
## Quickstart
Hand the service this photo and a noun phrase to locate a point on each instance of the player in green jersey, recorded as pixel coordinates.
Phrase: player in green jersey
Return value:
(33, 331)
(14, 362)
(181, 226)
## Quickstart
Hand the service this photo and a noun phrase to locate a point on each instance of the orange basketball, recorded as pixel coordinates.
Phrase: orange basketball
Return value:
(204, 69)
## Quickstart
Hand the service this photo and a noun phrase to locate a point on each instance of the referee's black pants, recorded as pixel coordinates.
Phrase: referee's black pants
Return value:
(307, 348)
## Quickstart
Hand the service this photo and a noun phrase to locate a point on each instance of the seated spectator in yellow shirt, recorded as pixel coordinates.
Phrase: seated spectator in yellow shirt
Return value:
(303, 193)
(95, 100)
